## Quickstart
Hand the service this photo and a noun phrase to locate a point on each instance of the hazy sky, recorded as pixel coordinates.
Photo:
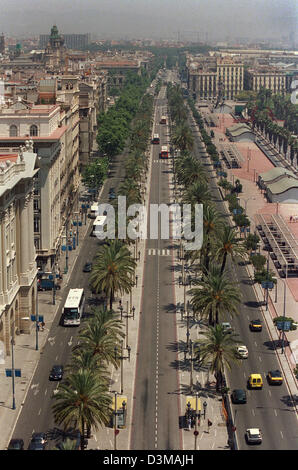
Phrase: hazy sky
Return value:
(220, 19)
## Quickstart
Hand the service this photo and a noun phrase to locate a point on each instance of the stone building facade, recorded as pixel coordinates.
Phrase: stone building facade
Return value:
(18, 271)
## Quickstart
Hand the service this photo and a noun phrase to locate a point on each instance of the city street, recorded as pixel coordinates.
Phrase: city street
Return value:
(156, 408)
(271, 409)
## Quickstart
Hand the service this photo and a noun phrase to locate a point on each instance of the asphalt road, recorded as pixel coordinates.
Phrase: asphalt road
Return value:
(269, 409)
(156, 399)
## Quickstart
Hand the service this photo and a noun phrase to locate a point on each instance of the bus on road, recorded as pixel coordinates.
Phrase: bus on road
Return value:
(164, 152)
(155, 139)
(74, 307)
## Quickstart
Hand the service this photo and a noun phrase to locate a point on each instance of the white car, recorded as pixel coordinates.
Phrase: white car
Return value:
(242, 351)
(253, 436)
(227, 327)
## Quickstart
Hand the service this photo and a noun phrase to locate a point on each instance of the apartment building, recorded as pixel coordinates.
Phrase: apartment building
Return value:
(18, 271)
(42, 124)
(266, 77)
(93, 99)
(207, 75)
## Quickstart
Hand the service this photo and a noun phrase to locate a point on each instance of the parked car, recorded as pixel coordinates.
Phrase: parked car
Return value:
(253, 436)
(227, 327)
(255, 381)
(16, 444)
(242, 351)
(255, 325)
(38, 441)
(56, 373)
(112, 194)
(275, 377)
(87, 268)
(238, 396)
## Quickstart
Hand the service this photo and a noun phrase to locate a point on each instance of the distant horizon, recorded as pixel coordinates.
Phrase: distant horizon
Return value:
(190, 20)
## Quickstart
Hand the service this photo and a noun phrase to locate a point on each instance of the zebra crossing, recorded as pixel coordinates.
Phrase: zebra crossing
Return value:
(158, 252)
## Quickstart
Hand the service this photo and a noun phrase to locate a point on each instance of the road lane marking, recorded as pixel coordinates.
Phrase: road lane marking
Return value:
(39, 412)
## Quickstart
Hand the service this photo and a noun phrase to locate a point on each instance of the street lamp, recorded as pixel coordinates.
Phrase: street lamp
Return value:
(205, 408)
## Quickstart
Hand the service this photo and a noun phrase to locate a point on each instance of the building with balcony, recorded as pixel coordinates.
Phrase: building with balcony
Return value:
(209, 76)
(18, 271)
(44, 125)
(268, 77)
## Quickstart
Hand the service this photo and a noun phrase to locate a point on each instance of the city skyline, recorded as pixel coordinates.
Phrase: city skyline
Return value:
(169, 19)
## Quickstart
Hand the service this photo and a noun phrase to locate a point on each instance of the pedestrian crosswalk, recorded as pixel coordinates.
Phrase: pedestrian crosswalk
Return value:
(157, 252)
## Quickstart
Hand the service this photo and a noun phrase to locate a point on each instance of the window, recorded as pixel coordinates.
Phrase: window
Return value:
(36, 224)
(33, 130)
(13, 131)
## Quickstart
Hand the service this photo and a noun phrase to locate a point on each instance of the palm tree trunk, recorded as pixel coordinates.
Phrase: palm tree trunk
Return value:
(223, 263)
(83, 435)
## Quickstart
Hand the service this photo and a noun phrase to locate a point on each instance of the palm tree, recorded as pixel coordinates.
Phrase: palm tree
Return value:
(183, 138)
(215, 295)
(197, 193)
(100, 336)
(189, 170)
(219, 350)
(68, 444)
(131, 189)
(82, 401)
(228, 243)
(212, 224)
(113, 270)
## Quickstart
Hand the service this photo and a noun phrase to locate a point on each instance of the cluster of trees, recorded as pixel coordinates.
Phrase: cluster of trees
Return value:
(264, 108)
(210, 147)
(113, 126)
(94, 174)
(136, 163)
(83, 400)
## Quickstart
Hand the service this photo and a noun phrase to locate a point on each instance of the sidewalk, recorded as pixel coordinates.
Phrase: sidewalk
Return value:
(216, 437)
(26, 356)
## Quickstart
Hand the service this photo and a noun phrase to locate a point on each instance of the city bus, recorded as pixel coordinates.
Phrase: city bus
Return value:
(98, 225)
(155, 139)
(164, 152)
(74, 307)
(163, 120)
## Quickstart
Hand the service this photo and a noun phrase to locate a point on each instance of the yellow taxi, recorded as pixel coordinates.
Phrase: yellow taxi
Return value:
(275, 377)
(255, 381)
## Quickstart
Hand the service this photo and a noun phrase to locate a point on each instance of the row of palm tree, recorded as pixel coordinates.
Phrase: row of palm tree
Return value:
(83, 400)
(213, 295)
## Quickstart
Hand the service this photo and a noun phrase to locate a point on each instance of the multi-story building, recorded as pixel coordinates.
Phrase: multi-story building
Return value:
(43, 124)
(18, 271)
(266, 77)
(71, 41)
(93, 94)
(206, 76)
(68, 98)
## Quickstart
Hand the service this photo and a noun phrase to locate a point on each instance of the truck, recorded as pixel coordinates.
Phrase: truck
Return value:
(163, 120)
(47, 284)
